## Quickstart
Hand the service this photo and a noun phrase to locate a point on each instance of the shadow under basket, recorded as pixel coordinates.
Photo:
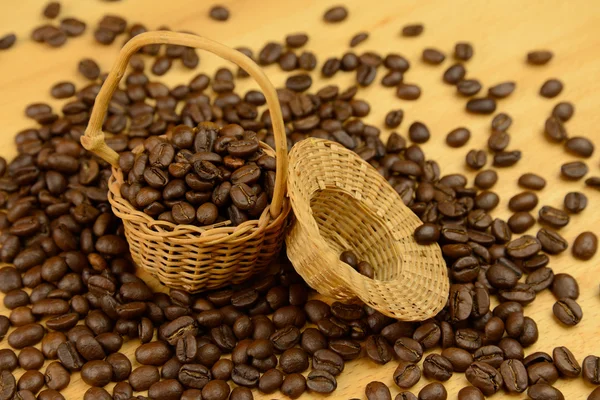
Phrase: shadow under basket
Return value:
(342, 203)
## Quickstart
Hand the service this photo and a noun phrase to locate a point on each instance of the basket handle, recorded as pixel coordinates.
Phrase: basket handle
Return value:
(93, 140)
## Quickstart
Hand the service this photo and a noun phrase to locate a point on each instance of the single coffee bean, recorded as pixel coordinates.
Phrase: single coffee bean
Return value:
(555, 130)
(567, 311)
(540, 279)
(143, 377)
(574, 170)
(551, 88)
(335, 14)
(88, 68)
(293, 385)
(418, 132)
(329, 361)
(514, 376)
(97, 373)
(484, 377)
(486, 179)
(539, 57)
(532, 181)
(537, 357)
(459, 358)
(408, 349)
(406, 374)
(218, 13)
(553, 217)
(585, 246)
(8, 360)
(565, 286)
(502, 90)
(31, 358)
(56, 376)
(490, 354)
(470, 393)
(406, 91)
(542, 372)
(579, 146)
(27, 335)
(293, 360)
(437, 367)
(216, 390)
(483, 105)
(377, 391)
(591, 369)
(321, 381)
(454, 74)
(433, 391)
(593, 182)
(463, 51)
(552, 242)
(524, 201)
(476, 159)
(412, 30)
(458, 137)
(245, 375)
(468, 87)
(543, 391)
(433, 56)
(565, 362)
(379, 350)
(575, 202)
(428, 335)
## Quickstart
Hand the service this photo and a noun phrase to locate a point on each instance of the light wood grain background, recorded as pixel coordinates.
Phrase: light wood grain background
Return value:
(501, 31)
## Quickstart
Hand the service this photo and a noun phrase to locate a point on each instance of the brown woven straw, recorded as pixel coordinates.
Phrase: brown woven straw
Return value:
(185, 256)
(342, 203)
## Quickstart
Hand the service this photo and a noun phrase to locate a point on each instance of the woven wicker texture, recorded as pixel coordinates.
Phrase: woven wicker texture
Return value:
(340, 202)
(186, 256)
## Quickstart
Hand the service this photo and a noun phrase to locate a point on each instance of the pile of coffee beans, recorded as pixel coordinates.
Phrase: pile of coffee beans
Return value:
(75, 300)
(200, 176)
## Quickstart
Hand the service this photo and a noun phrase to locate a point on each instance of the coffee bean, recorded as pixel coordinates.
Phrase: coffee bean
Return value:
(406, 91)
(428, 335)
(8, 360)
(328, 360)
(293, 385)
(408, 349)
(506, 158)
(552, 242)
(502, 90)
(539, 57)
(219, 13)
(459, 358)
(542, 372)
(454, 74)
(32, 381)
(591, 369)
(486, 179)
(567, 311)
(470, 393)
(463, 51)
(7, 41)
(532, 181)
(492, 355)
(427, 233)
(458, 137)
(31, 358)
(56, 376)
(476, 159)
(433, 391)
(579, 146)
(520, 222)
(216, 390)
(468, 87)
(565, 362)
(524, 201)
(554, 217)
(437, 367)
(593, 182)
(573, 170)
(377, 391)
(482, 105)
(88, 68)
(484, 377)
(24, 336)
(551, 88)
(514, 376)
(412, 30)
(321, 381)
(433, 56)
(97, 373)
(335, 14)
(565, 286)
(540, 279)
(585, 246)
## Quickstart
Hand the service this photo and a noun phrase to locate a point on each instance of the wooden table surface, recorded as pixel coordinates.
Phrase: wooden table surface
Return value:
(502, 32)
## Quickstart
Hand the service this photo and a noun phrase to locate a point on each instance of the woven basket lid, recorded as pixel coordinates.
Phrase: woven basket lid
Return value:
(341, 202)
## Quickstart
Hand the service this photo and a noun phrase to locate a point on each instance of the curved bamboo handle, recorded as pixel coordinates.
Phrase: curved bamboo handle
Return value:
(93, 140)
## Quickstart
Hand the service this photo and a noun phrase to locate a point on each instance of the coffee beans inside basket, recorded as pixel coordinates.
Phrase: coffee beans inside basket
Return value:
(200, 176)
(72, 267)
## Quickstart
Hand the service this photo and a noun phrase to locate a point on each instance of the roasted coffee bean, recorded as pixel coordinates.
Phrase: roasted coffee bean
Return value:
(458, 137)
(553, 217)
(540, 279)
(222, 369)
(218, 13)
(328, 360)
(433, 391)
(347, 349)
(539, 57)
(585, 245)
(575, 202)
(555, 130)
(143, 377)
(293, 360)
(542, 372)
(454, 74)
(437, 367)
(406, 374)
(524, 201)
(245, 375)
(194, 376)
(490, 354)
(463, 51)
(7, 41)
(408, 349)
(89, 68)
(96, 373)
(379, 350)
(514, 376)
(483, 105)
(484, 377)
(459, 358)
(565, 362)
(321, 381)
(428, 335)
(536, 357)
(543, 391)
(520, 222)
(312, 340)
(407, 91)
(470, 393)
(552, 242)
(433, 56)
(593, 182)
(418, 132)
(26, 335)
(335, 14)
(270, 381)
(574, 170)
(476, 159)
(412, 30)
(31, 358)
(365, 74)
(591, 369)
(532, 181)
(32, 381)
(551, 88)
(567, 311)
(468, 339)
(377, 391)
(502, 90)
(468, 87)
(216, 390)
(523, 247)
(579, 146)
(293, 385)
(296, 40)
(486, 179)
(56, 376)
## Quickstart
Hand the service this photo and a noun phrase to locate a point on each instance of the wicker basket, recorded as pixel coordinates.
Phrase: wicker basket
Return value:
(340, 202)
(185, 256)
